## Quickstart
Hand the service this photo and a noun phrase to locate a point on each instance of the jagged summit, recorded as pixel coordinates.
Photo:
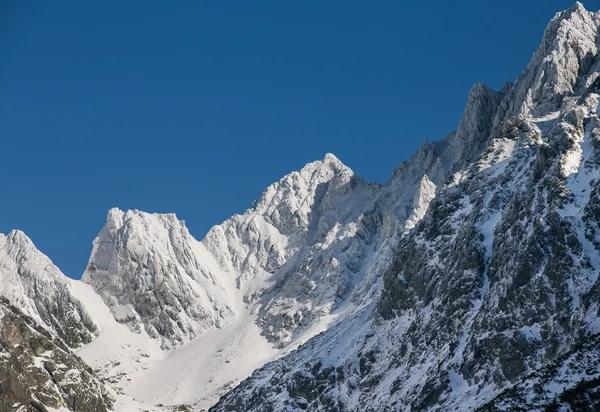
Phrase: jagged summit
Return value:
(568, 49)
(117, 217)
(332, 160)
(156, 277)
(578, 7)
(136, 252)
(18, 243)
(17, 235)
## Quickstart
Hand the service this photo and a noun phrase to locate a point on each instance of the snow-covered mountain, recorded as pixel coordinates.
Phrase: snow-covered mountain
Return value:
(497, 279)
(294, 252)
(32, 283)
(468, 280)
(157, 278)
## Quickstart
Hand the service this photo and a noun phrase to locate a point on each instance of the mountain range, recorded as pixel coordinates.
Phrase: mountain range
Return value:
(468, 281)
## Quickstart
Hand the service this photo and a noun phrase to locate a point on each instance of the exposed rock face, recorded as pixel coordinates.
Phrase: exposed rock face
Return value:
(30, 281)
(40, 373)
(571, 382)
(500, 275)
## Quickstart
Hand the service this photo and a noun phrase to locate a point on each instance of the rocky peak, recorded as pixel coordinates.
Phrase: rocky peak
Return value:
(566, 57)
(567, 51)
(289, 203)
(286, 215)
(332, 161)
(474, 129)
(132, 229)
(284, 251)
(157, 278)
(426, 160)
(18, 246)
(470, 139)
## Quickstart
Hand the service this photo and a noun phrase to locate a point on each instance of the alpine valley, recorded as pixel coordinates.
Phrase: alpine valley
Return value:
(468, 281)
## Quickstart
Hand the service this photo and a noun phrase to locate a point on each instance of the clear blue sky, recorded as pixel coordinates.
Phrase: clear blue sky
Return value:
(195, 107)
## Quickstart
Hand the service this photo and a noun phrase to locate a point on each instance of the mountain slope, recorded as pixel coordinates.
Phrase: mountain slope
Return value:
(497, 279)
(30, 281)
(39, 371)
